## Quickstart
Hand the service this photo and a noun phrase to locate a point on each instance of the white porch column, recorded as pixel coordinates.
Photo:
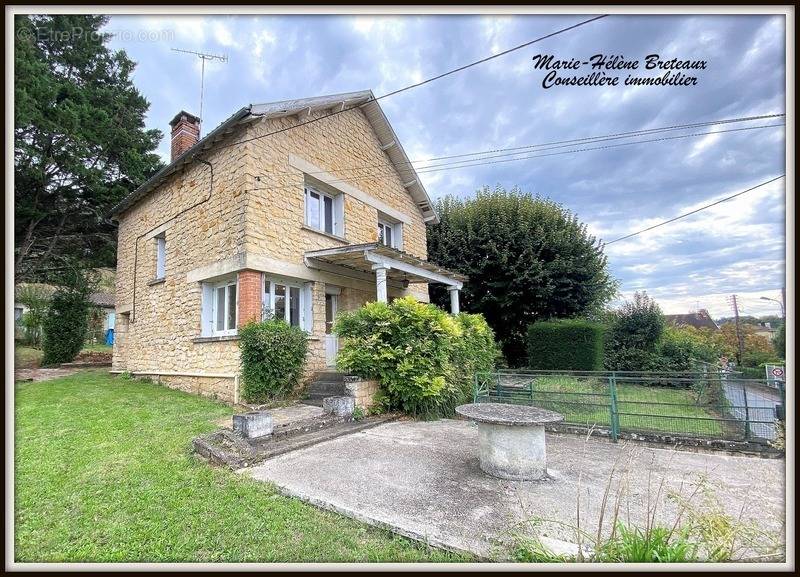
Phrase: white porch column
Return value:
(454, 308)
(380, 282)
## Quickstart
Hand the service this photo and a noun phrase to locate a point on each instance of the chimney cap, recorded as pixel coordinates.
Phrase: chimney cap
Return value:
(189, 116)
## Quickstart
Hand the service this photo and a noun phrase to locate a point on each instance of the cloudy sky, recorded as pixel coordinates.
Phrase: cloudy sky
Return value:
(735, 247)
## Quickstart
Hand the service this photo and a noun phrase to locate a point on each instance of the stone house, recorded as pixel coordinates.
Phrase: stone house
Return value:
(301, 208)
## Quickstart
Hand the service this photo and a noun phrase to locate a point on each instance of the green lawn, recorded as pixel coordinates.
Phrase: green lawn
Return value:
(98, 348)
(104, 473)
(27, 357)
(642, 408)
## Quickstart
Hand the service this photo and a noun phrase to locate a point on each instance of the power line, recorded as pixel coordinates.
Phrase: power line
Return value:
(727, 198)
(545, 145)
(449, 166)
(411, 86)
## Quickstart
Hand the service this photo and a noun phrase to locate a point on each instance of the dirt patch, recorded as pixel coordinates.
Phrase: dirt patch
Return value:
(93, 357)
(39, 374)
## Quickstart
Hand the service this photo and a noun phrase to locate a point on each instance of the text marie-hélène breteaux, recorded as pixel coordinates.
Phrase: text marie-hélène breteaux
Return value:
(604, 70)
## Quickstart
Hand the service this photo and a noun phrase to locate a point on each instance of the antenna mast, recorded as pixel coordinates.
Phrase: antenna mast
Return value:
(203, 57)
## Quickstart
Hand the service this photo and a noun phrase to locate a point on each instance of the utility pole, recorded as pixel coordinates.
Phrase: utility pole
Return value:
(740, 342)
(203, 57)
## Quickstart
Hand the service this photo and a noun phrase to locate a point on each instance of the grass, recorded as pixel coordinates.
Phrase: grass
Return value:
(27, 357)
(103, 473)
(642, 408)
(97, 348)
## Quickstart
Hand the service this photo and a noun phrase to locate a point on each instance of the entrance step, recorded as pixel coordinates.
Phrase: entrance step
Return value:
(228, 449)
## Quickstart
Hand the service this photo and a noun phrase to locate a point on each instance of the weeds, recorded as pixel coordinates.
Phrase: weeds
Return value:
(702, 531)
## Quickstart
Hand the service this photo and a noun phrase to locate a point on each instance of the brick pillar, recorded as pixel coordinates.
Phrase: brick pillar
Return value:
(249, 296)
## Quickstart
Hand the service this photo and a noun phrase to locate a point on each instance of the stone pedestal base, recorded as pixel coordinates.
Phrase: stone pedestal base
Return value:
(512, 452)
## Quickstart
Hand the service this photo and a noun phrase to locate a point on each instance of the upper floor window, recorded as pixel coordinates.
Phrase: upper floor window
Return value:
(161, 256)
(324, 211)
(390, 233)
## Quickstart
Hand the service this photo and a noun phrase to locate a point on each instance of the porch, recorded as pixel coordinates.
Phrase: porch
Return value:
(391, 268)
(392, 271)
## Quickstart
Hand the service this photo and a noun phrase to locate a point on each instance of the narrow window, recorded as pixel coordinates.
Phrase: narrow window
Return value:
(386, 234)
(280, 301)
(231, 308)
(161, 256)
(294, 306)
(328, 214)
(266, 301)
(219, 305)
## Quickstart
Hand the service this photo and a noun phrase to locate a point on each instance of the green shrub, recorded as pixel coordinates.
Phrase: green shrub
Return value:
(568, 344)
(64, 326)
(680, 347)
(272, 357)
(653, 545)
(423, 357)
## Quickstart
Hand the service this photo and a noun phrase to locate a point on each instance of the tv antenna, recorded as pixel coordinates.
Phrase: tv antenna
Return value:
(203, 57)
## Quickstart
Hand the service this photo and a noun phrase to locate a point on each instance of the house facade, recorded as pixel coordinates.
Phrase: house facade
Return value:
(298, 209)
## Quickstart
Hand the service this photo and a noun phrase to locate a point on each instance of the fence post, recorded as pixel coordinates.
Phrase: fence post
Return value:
(612, 389)
(746, 414)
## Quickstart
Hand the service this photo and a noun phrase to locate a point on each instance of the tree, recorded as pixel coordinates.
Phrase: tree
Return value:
(635, 331)
(527, 258)
(79, 142)
(36, 297)
(757, 348)
(779, 340)
(66, 323)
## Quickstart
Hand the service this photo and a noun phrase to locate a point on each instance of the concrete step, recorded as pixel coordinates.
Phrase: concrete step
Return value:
(329, 376)
(327, 389)
(281, 445)
(312, 402)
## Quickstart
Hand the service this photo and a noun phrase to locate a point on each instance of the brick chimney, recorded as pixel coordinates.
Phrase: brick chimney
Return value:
(185, 133)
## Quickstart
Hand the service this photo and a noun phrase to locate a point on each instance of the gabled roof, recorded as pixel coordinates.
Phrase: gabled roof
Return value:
(363, 99)
(699, 320)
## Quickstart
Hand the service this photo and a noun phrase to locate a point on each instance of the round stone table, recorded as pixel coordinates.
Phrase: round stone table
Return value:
(511, 439)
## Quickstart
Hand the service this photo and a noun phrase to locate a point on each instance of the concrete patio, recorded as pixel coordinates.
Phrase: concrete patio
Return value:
(422, 480)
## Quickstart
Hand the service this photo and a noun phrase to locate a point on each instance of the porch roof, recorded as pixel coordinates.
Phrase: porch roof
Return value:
(400, 265)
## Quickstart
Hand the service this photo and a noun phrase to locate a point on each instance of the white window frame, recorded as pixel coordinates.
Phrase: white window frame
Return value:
(396, 229)
(304, 302)
(337, 211)
(226, 307)
(161, 256)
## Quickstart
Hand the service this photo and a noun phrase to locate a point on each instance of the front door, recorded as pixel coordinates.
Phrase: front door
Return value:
(331, 340)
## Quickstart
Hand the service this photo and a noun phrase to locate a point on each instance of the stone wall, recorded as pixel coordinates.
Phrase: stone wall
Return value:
(363, 391)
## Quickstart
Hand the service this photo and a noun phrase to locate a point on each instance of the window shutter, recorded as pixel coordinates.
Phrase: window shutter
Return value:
(207, 310)
(307, 308)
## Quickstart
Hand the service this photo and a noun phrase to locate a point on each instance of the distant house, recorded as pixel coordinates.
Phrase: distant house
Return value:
(104, 302)
(765, 330)
(699, 320)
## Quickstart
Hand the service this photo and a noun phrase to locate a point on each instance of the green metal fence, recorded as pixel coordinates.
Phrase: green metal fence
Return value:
(699, 404)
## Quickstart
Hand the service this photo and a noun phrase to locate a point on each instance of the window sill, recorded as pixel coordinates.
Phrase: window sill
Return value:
(217, 339)
(325, 234)
(156, 281)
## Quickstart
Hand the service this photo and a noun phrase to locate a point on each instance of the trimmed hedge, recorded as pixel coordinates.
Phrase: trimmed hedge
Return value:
(272, 358)
(65, 325)
(568, 344)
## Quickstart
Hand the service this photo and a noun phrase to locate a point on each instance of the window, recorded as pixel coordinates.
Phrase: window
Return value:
(390, 233)
(288, 300)
(219, 314)
(161, 256)
(324, 212)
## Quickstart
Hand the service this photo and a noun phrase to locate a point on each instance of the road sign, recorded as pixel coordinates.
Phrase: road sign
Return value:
(777, 372)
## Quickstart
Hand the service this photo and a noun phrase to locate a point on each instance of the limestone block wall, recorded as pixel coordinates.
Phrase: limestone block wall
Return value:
(339, 144)
(159, 327)
(363, 391)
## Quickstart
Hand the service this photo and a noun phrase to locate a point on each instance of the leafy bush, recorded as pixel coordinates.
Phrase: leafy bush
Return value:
(423, 357)
(65, 324)
(681, 346)
(568, 344)
(779, 341)
(272, 357)
(635, 331)
(36, 297)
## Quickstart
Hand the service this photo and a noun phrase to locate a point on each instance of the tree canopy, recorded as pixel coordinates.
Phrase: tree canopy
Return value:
(80, 144)
(527, 258)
